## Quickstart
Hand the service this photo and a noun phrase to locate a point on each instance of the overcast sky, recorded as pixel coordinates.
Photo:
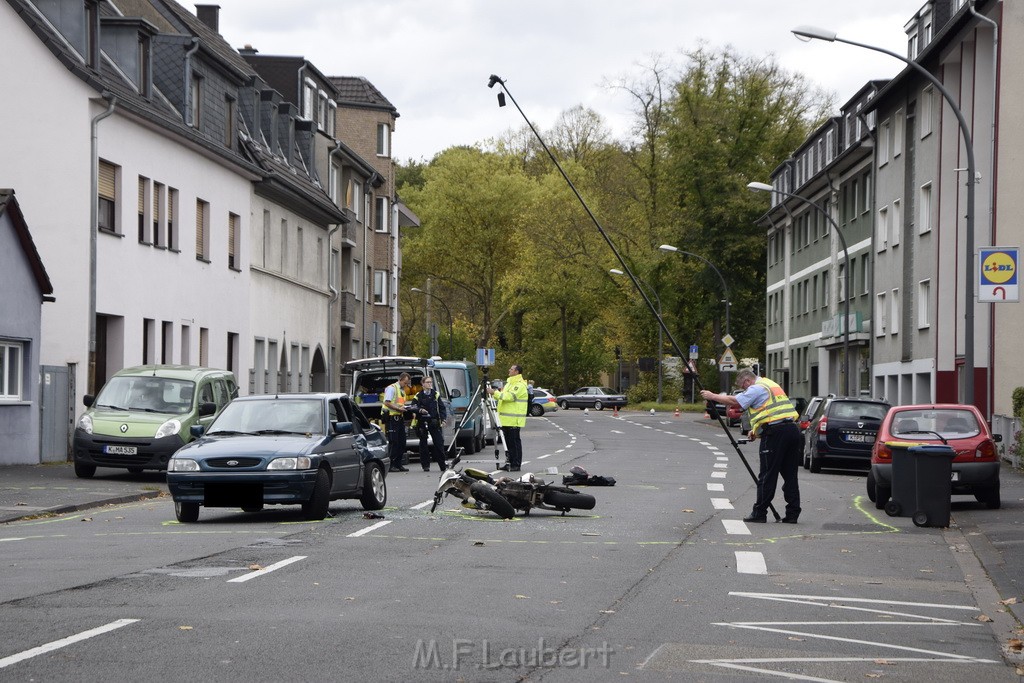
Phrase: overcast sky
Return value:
(432, 58)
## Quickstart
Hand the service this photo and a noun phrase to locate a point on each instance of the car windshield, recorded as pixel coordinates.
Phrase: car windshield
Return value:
(949, 423)
(271, 416)
(856, 410)
(455, 378)
(147, 393)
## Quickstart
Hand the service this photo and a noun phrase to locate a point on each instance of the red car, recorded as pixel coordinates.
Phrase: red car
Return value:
(962, 427)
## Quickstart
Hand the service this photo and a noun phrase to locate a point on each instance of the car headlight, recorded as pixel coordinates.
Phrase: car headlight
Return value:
(182, 465)
(85, 424)
(299, 463)
(169, 428)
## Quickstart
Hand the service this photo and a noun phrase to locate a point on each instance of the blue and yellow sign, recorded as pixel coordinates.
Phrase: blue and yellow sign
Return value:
(997, 274)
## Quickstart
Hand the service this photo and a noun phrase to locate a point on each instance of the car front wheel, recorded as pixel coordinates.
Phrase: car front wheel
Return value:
(84, 470)
(316, 507)
(186, 513)
(375, 488)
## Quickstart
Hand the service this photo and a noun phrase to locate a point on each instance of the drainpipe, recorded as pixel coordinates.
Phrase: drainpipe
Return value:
(335, 294)
(989, 393)
(188, 80)
(94, 211)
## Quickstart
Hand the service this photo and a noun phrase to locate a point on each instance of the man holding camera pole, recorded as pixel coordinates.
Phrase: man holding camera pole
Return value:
(512, 406)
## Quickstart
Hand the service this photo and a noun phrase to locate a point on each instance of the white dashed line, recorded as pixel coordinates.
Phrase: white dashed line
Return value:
(546, 455)
(721, 465)
(722, 504)
(748, 562)
(422, 505)
(722, 457)
(716, 487)
(736, 526)
(372, 527)
(718, 475)
(70, 640)
(269, 568)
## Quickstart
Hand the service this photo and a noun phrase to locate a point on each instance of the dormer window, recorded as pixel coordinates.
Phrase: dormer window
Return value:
(195, 94)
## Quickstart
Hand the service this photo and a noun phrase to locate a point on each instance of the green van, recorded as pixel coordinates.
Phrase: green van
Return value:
(142, 415)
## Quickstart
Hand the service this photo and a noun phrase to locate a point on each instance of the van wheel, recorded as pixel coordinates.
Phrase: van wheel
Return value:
(84, 470)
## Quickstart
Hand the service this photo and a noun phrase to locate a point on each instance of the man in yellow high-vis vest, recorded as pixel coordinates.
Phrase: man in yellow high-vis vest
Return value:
(773, 419)
(512, 406)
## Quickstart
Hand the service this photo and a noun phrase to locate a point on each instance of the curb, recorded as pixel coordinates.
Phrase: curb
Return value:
(78, 507)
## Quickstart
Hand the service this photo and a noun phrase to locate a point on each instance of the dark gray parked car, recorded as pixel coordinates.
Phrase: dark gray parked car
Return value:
(843, 432)
(597, 398)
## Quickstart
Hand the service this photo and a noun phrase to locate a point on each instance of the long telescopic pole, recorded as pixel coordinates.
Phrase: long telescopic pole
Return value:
(625, 268)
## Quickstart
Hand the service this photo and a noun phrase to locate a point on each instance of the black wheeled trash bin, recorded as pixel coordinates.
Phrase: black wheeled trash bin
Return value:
(921, 484)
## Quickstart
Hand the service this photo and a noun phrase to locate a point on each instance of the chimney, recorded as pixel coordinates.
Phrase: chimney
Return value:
(209, 15)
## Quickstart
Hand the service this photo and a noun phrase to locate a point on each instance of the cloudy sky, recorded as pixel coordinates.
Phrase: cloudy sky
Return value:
(432, 58)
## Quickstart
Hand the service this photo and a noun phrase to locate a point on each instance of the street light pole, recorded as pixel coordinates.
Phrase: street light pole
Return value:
(725, 287)
(451, 336)
(657, 356)
(764, 187)
(811, 32)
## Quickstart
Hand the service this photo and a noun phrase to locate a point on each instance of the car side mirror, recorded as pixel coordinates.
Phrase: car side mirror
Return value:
(88, 400)
(456, 393)
(207, 408)
(343, 428)
(197, 430)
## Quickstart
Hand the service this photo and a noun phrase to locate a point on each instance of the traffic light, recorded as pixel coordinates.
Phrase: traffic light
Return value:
(618, 352)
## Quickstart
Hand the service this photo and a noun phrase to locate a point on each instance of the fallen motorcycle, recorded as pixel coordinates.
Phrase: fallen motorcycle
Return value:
(529, 491)
(476, 488)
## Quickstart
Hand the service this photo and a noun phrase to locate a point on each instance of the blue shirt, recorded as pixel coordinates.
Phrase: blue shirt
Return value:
(755, 395)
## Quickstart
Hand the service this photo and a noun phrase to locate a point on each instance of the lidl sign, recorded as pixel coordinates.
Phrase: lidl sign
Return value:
(998, 280)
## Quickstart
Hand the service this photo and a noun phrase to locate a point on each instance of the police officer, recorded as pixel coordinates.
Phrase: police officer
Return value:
(431, 415)
(773, 419)
(512, 406)
(393, 412)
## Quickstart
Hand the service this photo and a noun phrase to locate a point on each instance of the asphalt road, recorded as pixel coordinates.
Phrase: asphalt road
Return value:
(660, 581)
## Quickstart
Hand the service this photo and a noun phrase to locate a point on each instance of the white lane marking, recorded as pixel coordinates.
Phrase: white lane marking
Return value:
(718, 475)
(721, 465)
(830, 599)
(266, 570)
(11, 539)
(722, 504)
(616, 431)
(716, 487)
(546, 455)
(705, 443)
(422, 505)
(722, 457)
(63, 642)
(748, 562)
(368, 529)
(736, 526)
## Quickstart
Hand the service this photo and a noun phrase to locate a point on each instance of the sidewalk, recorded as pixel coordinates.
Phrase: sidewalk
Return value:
(33, 490)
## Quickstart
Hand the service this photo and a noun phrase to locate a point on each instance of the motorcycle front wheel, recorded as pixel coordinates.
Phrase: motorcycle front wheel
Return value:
(569, 500)
(493, 500)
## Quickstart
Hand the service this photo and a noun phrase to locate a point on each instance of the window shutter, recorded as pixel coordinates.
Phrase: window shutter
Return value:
(232, 231)
(107, 175)
(200, 224)
(142, 195)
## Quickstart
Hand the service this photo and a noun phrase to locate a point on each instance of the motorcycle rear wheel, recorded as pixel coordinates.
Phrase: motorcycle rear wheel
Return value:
(494, 500)
(569, 500)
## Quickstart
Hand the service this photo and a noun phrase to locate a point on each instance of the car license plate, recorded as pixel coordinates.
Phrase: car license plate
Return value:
(955, 476)
(857, 438)
(121, 450)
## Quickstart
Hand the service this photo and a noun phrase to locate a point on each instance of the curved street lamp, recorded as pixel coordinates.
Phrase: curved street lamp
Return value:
(765, 187)
(657, 357)
(808, 33)
(451, 335)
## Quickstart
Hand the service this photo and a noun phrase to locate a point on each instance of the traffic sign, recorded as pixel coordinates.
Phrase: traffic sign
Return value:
(997, 274)
(728, 340)
(485, 357)
(728, 358)
(727, 367)
(693, 352)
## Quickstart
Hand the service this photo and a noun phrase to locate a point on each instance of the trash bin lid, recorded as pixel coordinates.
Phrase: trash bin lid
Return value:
(906, 444)
(933, 450)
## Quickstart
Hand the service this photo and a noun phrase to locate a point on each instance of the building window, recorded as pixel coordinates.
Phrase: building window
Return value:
(195, 92)
(322, 100)
(234, 258)
(284, 244)
(881, 312)
(229, 121)
(158, 217)
(266, 238)
(897, 134)
(383, 218)
(299, 253)
(106, 196)
(882, 229)
(308, 99)
(172, 212)
(383, 140)
(332, 270)
(332, 114)
(92, 29)
(143, 209)
(884, 131)
(864, 274)
(380, 286)
(354, 198)
(927, 106)
(202, 230)
(357, 279)
(894, 312)
(925, 210)
(332, 181)
(866, 182)
(143, 64)
(897, 222)
(11, 355)
(924, 289)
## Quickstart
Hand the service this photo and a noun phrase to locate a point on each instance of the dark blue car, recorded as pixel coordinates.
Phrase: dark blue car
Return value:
(306, 449)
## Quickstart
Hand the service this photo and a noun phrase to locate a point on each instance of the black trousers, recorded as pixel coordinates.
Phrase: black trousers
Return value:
(513, 446)
(433, 428)
(779, 454)
(394, 427)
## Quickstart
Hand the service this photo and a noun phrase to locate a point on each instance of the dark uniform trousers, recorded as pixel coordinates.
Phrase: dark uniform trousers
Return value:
(433, 427)
(394, 427)
(779, 454)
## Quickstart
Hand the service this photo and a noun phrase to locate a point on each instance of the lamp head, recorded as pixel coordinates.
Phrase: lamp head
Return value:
(668, 247)
(808, 33)
(759, 187)
(494, 79)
